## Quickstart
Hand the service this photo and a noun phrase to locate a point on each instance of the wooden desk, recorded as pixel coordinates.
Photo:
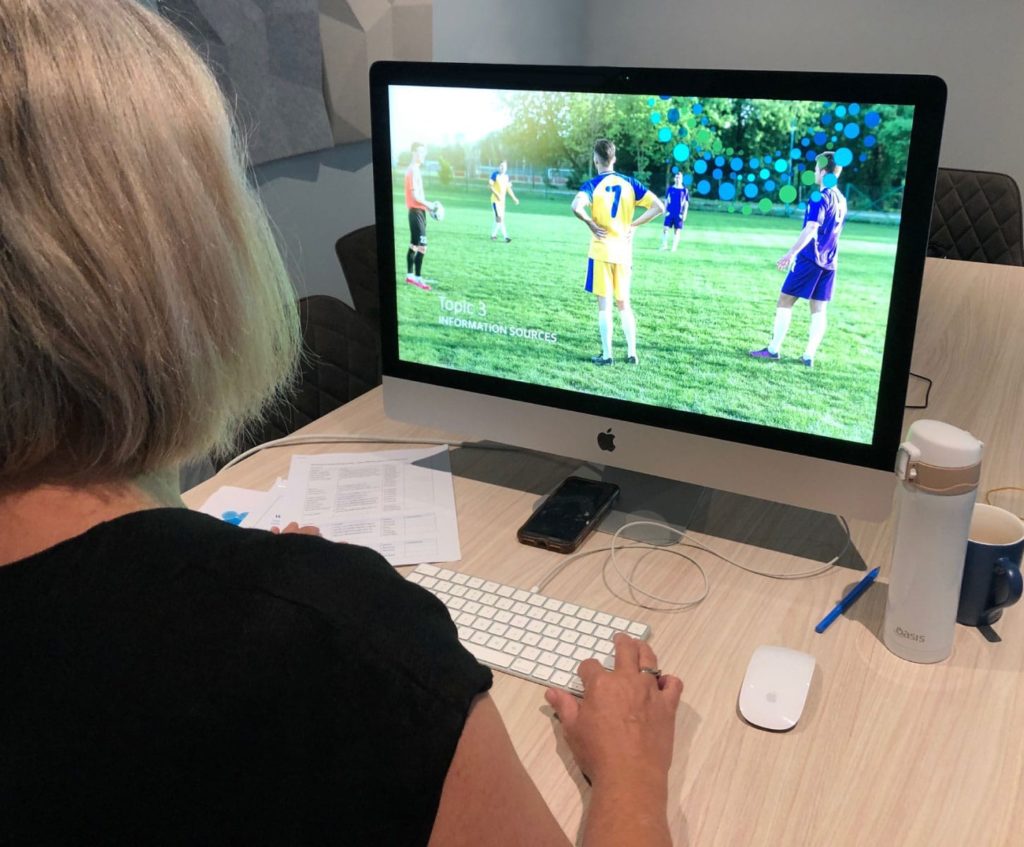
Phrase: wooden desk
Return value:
(887, 752)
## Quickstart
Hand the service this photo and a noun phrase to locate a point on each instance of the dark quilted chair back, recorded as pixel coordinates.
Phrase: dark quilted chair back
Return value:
(976, 217)
(341, 344)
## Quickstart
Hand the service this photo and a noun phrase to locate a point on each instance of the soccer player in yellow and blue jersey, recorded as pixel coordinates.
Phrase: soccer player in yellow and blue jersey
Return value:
(612, 200)
(501, 185)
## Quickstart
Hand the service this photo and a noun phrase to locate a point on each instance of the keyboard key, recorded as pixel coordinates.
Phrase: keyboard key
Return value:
(565, 664)
(493, 658)
(543, 672)
(523, 666)
(428, 570)
(602, 618)
(561, 678)
(475, 582)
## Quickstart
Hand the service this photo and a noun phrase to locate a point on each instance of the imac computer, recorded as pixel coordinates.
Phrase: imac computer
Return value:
(753, 335)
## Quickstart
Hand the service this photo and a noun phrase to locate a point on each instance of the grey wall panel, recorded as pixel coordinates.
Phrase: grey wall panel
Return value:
(267, 57)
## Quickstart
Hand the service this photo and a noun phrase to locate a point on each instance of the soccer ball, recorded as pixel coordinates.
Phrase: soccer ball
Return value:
(437, 213)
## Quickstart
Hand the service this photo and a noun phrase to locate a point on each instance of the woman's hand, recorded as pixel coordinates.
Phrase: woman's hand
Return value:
(294, 527)
(624, 727)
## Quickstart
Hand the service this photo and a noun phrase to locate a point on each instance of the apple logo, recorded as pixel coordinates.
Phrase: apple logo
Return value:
(606, 440)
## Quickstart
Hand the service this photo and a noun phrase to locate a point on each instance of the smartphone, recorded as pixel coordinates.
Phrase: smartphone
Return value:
(572, 511)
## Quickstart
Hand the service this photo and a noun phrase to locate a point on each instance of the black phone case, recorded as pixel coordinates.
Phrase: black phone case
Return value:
(562, 543)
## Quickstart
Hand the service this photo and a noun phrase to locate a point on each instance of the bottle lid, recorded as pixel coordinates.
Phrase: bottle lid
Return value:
(943, 445)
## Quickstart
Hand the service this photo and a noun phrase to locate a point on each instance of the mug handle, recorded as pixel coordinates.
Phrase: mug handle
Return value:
(1007, 585)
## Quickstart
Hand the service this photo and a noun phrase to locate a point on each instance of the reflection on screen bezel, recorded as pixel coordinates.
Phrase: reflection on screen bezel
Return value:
(927, 94)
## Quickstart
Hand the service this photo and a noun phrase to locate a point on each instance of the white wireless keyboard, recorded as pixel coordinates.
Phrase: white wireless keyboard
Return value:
(528, 635)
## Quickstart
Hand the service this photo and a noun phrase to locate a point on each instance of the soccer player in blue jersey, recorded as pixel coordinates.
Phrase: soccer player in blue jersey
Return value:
(677, 205)
(501, 185)
(814, 259)
(612, 199)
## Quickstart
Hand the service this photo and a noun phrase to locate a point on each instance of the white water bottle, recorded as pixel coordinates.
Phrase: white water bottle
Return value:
(939, 467)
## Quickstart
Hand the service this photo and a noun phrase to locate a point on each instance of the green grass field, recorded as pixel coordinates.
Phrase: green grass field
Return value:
(699, 311)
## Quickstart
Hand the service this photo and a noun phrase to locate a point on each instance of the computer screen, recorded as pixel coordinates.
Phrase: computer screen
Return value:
(683, 272)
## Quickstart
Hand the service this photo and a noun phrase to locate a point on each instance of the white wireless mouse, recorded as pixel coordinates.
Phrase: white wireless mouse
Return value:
(775, 687)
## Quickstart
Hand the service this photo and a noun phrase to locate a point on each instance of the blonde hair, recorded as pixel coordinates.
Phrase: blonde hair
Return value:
(145, 314)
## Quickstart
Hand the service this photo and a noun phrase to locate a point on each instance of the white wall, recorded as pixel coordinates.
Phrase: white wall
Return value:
(533, 32)
(977, 47)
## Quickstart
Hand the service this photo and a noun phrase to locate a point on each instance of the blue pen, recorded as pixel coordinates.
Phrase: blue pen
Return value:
(847, 601)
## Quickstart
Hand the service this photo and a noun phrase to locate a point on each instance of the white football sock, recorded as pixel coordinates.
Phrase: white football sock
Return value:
(504, 232)
(783, 315)
(604, 325)
(628, 321)
(817, 332)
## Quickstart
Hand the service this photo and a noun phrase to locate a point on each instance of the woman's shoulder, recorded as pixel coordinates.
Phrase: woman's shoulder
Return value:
(345, 593)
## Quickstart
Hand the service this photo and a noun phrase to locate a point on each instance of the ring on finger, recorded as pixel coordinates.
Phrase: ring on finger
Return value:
(655, 672)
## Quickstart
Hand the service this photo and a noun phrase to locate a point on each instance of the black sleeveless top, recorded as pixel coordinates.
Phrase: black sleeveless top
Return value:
(166, 678)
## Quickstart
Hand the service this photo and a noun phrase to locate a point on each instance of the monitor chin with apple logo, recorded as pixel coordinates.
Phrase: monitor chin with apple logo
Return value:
(606, 440)
(497, 322)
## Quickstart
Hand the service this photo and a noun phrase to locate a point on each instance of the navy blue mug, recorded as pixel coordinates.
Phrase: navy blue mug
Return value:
(992, 579)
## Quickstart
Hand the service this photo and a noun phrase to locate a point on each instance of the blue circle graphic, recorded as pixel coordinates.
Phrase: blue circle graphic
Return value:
(700, 166)
(869, 141)
(872, 119)
(726, 191)
(750, 190)
(840, 111)
(673, 115)
(736, 164)
(703, 187)
(826, 119)
(851, 130)
(844, 155)
(697, 108)
(717, 173)
(719, 160)
(780, 165)
(755, 163)
(829, 181)
(854, 108)
(769, 185)
(681, 152)
(815, 196)
(764, 173)
(819, 138)
(664, 134)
